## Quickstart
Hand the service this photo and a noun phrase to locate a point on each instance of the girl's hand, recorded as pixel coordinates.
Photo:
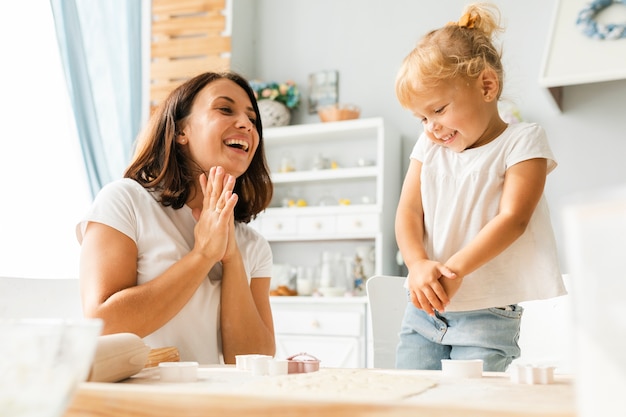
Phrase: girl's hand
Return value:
(451, 285)
(426, 290)
(215, 219)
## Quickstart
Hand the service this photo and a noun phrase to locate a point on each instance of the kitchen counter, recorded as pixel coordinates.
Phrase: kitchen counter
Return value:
(224, 390)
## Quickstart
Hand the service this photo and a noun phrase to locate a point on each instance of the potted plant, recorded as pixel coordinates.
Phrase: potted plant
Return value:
(276, 100)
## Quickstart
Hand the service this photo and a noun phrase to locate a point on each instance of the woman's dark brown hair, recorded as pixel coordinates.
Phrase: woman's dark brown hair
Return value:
(160, 163)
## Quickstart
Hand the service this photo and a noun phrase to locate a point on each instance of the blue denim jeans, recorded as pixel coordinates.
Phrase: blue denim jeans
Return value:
(489, 334)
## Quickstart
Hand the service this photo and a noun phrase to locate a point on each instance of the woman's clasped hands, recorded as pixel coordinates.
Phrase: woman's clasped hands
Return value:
(215, 231)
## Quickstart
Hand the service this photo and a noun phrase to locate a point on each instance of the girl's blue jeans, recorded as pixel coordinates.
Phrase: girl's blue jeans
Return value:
(489, 334)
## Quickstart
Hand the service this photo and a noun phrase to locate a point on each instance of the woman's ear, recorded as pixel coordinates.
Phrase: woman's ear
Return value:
(180, 138)
(490, 84)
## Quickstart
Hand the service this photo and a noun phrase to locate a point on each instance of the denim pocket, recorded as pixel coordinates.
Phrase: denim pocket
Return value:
(514, 311)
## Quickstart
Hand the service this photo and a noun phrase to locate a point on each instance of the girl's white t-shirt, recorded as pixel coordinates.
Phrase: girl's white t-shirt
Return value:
(163, 236)
(461, 193)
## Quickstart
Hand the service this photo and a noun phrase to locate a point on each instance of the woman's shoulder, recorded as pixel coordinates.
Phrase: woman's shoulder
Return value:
(255, 249)
(122, 185)
(248, 233)
(123, 188)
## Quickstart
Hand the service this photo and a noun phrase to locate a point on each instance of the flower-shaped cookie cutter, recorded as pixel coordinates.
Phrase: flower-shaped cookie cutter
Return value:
(302, 363)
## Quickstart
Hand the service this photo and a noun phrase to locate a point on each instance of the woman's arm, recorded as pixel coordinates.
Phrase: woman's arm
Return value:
(109, 290)
(108, 267)
(523, 187)
(245, 315)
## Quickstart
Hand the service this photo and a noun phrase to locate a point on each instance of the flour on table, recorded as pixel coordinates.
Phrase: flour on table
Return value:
(342, 384)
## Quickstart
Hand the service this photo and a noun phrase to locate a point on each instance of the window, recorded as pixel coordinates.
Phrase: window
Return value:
(42, 179)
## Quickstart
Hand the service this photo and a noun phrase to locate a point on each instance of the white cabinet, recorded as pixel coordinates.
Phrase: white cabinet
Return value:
(346, 177)
(333, 329)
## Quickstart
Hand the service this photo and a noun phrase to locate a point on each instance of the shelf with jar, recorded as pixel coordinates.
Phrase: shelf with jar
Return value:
(336, 187)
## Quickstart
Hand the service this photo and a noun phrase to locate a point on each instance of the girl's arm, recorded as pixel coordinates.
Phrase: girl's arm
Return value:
(523, 187)
(424, 286)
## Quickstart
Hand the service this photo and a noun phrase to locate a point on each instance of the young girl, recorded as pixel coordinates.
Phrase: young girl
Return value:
(472, 223)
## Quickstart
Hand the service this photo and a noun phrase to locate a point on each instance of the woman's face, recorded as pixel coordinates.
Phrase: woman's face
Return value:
(221, 128)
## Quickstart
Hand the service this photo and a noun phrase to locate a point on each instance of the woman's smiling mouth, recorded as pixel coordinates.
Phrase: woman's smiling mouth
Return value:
(237, 143)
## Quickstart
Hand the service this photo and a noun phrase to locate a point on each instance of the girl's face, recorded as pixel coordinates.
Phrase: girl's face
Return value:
(221, 128)
(459, 114)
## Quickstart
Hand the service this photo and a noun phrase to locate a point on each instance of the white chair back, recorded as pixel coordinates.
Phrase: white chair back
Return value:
(387, 301)
(546, 336)
(40, 298)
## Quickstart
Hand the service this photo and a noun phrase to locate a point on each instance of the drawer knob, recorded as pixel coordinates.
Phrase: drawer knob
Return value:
(358, 224)
(278, 226)
(315, 324)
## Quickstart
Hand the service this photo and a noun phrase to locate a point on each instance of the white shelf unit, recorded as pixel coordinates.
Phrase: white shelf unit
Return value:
(365, 154)
(333, 329)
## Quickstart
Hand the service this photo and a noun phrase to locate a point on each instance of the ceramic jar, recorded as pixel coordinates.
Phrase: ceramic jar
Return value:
(274, 113)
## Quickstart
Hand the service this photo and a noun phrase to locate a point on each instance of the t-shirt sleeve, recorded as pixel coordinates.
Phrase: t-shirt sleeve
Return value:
(419, 149)
(530, 142)
(113, 206)
(256, 251)
(265, 260)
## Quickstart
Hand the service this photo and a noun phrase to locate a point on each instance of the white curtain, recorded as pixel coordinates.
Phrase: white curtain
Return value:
(100, 48)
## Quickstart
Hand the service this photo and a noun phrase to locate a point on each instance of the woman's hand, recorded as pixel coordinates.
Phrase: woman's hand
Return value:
(425, 285)
(216, 218)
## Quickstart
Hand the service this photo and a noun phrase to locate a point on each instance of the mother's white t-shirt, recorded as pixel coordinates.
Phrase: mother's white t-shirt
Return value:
(163, 236)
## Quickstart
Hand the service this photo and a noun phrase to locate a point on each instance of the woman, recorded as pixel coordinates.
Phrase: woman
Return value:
(166, 251)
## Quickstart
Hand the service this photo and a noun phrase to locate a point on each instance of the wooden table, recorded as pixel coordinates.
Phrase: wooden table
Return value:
(226, 391)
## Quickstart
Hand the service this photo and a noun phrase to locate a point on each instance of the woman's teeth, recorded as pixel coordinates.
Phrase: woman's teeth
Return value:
(238, 144)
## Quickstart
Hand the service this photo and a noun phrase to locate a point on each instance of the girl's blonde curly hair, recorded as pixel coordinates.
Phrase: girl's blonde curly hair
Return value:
(459, 49)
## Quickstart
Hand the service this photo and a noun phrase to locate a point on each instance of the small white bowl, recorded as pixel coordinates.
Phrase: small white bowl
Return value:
(471, 368)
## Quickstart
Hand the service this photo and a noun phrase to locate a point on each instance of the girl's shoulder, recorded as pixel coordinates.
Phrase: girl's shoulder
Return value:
(525, 140)
(524, 131)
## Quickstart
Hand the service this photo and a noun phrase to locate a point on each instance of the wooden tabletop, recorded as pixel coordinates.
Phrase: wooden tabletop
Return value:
(222, 391)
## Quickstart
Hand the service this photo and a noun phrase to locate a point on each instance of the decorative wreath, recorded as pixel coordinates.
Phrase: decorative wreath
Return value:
(595, 30)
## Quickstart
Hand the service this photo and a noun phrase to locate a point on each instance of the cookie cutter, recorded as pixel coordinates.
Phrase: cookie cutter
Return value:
(302, 363)
(531, 374)
(178, 371)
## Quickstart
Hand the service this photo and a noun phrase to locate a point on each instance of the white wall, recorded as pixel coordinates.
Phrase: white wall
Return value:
(365, 40)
